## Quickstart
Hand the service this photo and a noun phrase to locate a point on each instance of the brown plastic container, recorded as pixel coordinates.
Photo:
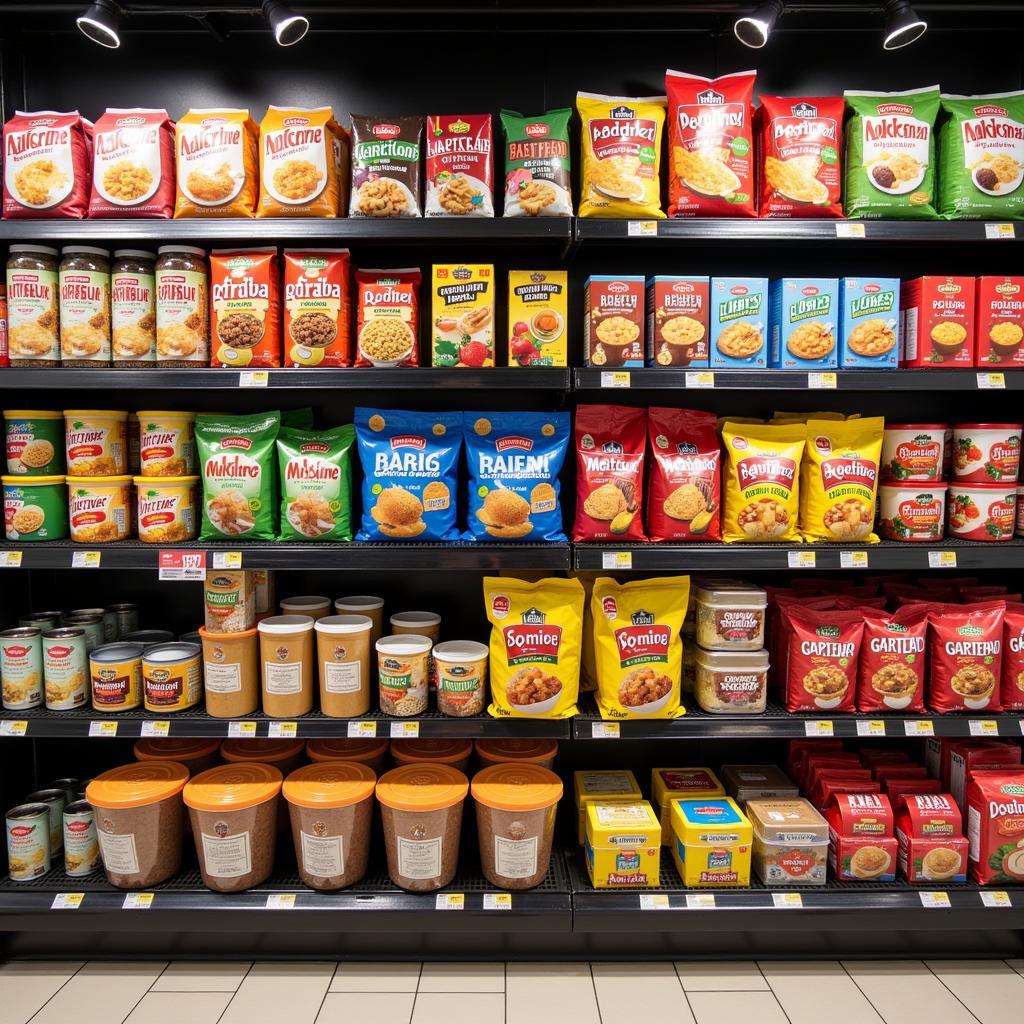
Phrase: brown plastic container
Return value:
(197, 755)
(343, 663)
(372, 753)
(314, 606)
(520, 751)
(454, 753)
(231, 673)
(363, 604)
(284, 755)
(286, 665)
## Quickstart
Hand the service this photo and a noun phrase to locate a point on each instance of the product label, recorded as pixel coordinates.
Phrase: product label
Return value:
(515, 858)
(84, 303)
(419, 858)
(223, 678)
(230, 857)
(133, 315)
(341, 678)
(32, 314)
(323, 856)
(119, 853)
(282, 679)
(181, 315)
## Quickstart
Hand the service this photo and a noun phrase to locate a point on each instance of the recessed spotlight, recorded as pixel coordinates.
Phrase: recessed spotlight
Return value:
(902, 25)
(99, 23)
(287, 26)
(753, 29)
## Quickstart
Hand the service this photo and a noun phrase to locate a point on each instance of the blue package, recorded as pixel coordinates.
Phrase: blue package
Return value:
(410, 474)
(869, 328)
(804, 317)
(514, 460)
(739, 323)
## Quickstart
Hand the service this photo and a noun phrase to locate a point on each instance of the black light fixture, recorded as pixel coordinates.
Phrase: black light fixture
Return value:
(902, 25)
(287, 26)
(753, 29)
(99, 23)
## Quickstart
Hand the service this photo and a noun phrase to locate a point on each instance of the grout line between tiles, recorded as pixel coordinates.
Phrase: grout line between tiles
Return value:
(593, 985)
(950, 991)
(40, 1010)
(237, 990)
(167, 967)
(416, 993)
(775, 994)
(867, 998)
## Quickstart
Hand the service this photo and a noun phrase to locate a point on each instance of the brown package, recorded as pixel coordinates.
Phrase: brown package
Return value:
(316, 308)
(245, 308)
(385, 166)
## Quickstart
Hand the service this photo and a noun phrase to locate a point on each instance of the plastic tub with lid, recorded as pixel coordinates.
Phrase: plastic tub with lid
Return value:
(912, 512)
(343, 663)
(287, 663)
(421, 808)
(284, 755)
(452, 752)
(985, 512)
(308, 604)
(364, 604)
(233, 809)
(515, 815)
(195, 754)
(732, 682)
(912, 452)
(460, 674)
(372, 753)
(330, 804)
(730, 616)
(140, 821)
(521, 751)
(986, 453)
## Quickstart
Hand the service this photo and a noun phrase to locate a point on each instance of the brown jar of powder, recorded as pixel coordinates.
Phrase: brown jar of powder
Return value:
(343, 659)
(286, 658)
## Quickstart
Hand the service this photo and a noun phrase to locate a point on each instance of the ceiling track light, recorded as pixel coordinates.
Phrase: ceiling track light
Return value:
(99, 23)
(287, 26)
(902, 25)
(753, 29)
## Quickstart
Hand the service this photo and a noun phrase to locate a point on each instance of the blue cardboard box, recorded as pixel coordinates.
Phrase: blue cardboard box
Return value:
(804, 317)
(739, 323)
(869, 322)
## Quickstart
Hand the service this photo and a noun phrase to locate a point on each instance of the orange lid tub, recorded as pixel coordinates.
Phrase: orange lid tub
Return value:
(261, 751)
(435, 751)
(330, 784)
(517, 787)
(183, 750)
(499, 751)
(346, 750)
(137, 784)
(233, 787)
(422, 787)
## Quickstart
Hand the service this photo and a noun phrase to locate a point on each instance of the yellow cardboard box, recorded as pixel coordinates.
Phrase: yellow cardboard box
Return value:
(605, 786)
(462, 315)
(538, 310)
(623, 845)
(713, 840)
(668, 784)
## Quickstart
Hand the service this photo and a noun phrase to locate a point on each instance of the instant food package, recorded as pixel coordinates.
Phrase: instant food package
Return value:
(462, 315)
(538, 164)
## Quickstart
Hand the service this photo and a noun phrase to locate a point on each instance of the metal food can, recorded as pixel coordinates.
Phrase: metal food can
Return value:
(39, 620)
(149, 637)
(65, 668)
(21, 668)
(28, 841)
(172, 677)
(55, 800)
(108, 618)
(115, 671)
(81, 848)
(191, 638)
(72, 787)
(127, 617)
(93, 626)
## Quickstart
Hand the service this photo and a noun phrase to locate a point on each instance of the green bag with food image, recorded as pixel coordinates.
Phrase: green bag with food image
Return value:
(236, 462)
(316, 483)
(981, 156)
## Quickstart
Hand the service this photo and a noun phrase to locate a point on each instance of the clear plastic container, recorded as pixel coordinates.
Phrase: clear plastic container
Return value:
(730, 616)
(732, 682)
(790, 842)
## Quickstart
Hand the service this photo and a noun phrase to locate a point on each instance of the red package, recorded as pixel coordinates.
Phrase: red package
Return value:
(899, 770)
(1000, 322)
(610, 445)
(460, 176)
(938, 322)
(778, 630)
(798, 750)
(827, 761)
(710, 145)
(822, 666)
(133, 164)
(852, 781)
(245, 307)
(387, 317)
(965, 656)
(892, 660)
(802, 144)
(1012, 678)
(875, 756)
(316, 307)
(898, 787)
(995, 810)
(968, 757)
(830, 787)
(685, 497)
(47, 165)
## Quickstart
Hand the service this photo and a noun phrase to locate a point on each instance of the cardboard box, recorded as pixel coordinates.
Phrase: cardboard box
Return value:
(613, 322)
(1000, 322)
(938, 322)
(603, 787)
(668, 784)
(713, 840)
(932, 846)
(804, 317)
(677, 321)
(462, 315)
(739, 323)
(622, 845)
(862, 846)
(538, 312)
(869, 322)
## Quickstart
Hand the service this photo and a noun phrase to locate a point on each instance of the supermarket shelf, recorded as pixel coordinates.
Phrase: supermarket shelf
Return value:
(949, 554)
(657, 379)
(83, 722)
(777, 723)
(132, 554)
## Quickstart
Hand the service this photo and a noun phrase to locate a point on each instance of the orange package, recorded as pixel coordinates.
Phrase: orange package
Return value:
(217, 166)
(316, 307)
(245, 308)
(301, 155)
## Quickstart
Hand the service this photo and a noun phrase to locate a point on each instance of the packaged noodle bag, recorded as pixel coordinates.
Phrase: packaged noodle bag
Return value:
(621, 143)
(535, 646)
(316, 483)
(762, 481)
(638, 646)
(839, 479)
(216, 163)
(300, 163)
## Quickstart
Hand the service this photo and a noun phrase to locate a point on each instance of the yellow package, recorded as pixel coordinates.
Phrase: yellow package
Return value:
(621, 142)
(299, 163)
(602, 787)
(803, 417)
(638, 646)
(711, 843)
(216, 164)
(722, 420)
(538, 308)
(622, 845)
(588, 657)
(839, 479)
(535, 646)
(462, 319)
(669, 784)
(762, 481)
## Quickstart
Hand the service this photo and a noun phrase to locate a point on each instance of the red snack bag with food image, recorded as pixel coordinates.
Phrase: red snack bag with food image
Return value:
(710, 145)
(460, 179)
(685, 496)
(965, 646)
(1012, 681)
(892, 660)
(133, 164)
(824, 647)
(610, 447)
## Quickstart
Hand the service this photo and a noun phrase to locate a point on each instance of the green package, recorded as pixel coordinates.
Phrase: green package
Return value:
(981, 157)
(890, 154)
(297, 419)
(537, 169)
(316, 483)
(236, 461)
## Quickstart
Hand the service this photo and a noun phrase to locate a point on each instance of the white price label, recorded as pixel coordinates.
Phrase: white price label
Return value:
(922, 728)
(10, 559)
(604, 730)
(405, 730)
(253, 379)
(853, 559)
(67, 901)
(283, 730)
(85, 559)
(497, 901)
(18, 728)
(941, 559)
(182, 565)
(615, 379)
(700, 901)
(654, 901)
(935, 899)
(998, 898)
(822, 381)
(281, 901)
(155, 729)
(991, 381)
(787, 900)
(107, 729)
(227, 559)
(984, 727)
(802, 559)
(362, 730)
(999, 231)
(241, 730)
(849, 229)
(700, 380)
(616, 559)
(642, 229)
(138, 901)
(820, 727)
(450, 901)
(876, 727)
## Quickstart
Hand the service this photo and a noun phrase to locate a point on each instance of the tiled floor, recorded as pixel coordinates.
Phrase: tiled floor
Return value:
(769, 992)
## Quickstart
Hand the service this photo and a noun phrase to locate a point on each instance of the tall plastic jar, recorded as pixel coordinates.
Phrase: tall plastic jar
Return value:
(364, 604)
(286, 659)
(307, 604)
(231, 673)
(197, 755)
(84, 282)
(182, 306)
(372, 753)
(521, 751)
(454, 752)
(133, 307)
(284, 755)
(343, 662)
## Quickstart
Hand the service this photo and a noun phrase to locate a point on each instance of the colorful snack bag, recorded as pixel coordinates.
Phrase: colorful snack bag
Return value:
(245, 308)
(387, 317)
(1012, 681)
(133, 164)
(965, 646)
(217, 165)
(385, 166)
(316, 308)
(711, 145)
(538, 179)
(410, 474)
(462, 321)
(892, 660)
(821, 667)
(610, 443)
(538, 311)
(638, 646)
(535, 646)
(514, 459)
(316, 483)
(460, 169)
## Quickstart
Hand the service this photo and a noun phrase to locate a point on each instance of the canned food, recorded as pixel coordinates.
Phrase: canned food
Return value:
(108, 618)
(100, 509)
(28, 841)
(981, 511)
(116, 674)
(81, 848)
(127, 615)
(191, 638)
(21, 668)
(92, 625)
(172, 677)
(148, 637)
(70, 786)
(65, 668)
(986, 453)
(41, 620)
(55, 800)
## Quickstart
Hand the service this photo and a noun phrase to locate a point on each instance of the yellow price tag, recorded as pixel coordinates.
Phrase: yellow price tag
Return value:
(642, 229)
(281, 901)
(991, 381)
(998, 898)
(849, 229)
(227, 559)
(984, 727)
(107, 729)
(935, 899)
(853, 559)
(999, 231)
(615, 379)
(822, 727)
(253, 379)
(924, 728)
(450, 901)
(138, 901)
(241, 730)
(17, 728)
(700, 901)
(700, 380)
(67, 901)
(876, 727)
(822, 381)
(10, 559)
(604, 731)
(941, 559)
(405, 730)
(497, 901)
(362, 730)
(616, 559)
(283, 730)
(787, 900)
(654, 901)
(802, 559)
(155, 729)
(85, 559)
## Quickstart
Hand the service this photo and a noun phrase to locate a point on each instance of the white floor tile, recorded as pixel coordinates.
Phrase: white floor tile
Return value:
(1017, 965)
(100, 993)
(906, 992)
(735, 1008)
(193, 976)
(808, 990)
(28, 984)
(280, 993)
(622, 988)
(367, 1008)
(537, 992)
(376, 977)
(462, 977)
(175, 1007)
(458, 1007)
(988, 988)
(723, 976)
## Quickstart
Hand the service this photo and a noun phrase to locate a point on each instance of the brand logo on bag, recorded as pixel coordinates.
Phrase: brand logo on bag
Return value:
(710, 97)
(537, 130)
